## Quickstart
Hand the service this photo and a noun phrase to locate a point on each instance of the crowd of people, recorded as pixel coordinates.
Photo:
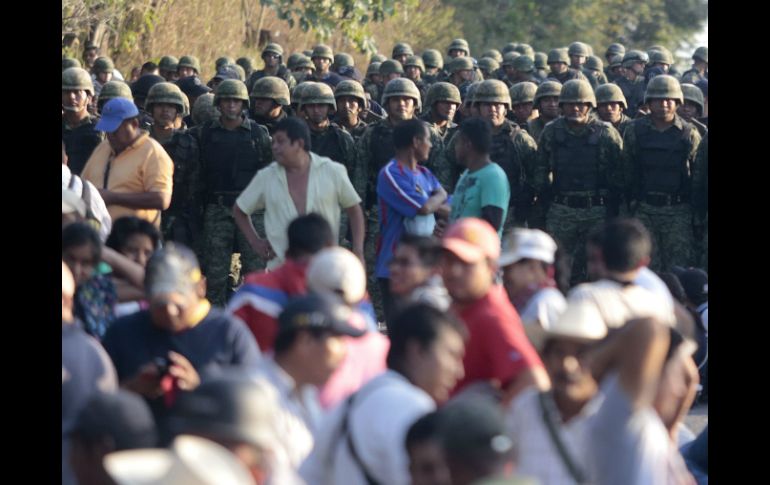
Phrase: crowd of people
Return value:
(436, 270)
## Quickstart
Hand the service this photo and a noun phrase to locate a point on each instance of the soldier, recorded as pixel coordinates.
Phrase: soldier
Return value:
(461, 71)
(560, 71)
(182, 221)
(434, 63)
(378, 58)
(441, 104)
(193, 88)
(611, 106)
(459, 48)
(700, 66)
(328, 139)
(612, 51)
(488, 67)
(139, 90)
(203, 109)
(188, 66)
(541, 63)
(352, 105)
(660, 158)
(344, 64)
(578, 53)
(594, 71)
(512, 148)
(303, 69)
(67, 62)
(662, 59)
(233, 148)
(228, 71)
(322, 57)
(632, 83)
(493, 54)
(223, 61)
(525, 50)
(546, 102)
(510, 47)
(101, 73)
(413, 69)
(90, 53)
(522, 103)
(521, 69)
(269, 99)
(401, 52)
(467, 109)
(272, 55)
(692, 108)
(389, 70)
(373, 80)
(78, 127)
(113, 89)
(167, 68)
(578, 167)
(615, 68)
(247, 63)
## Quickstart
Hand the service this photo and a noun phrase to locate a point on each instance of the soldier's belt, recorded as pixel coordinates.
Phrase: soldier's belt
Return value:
(580, 201)
(660, 200)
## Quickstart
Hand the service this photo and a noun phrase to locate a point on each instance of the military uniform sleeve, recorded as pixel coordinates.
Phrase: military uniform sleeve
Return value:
(437, 162)
(542, 163)
(526, 149)
(366, 177)
(353, 163)
(610, 159)
(631, 171)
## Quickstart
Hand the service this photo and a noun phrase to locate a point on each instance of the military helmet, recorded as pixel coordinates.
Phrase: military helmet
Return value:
(615, 49)
(318, 93)
(493, 54)
(470, 92)
(509, 47)
(273, 48)
(633, 56)
(299, 89)
(524, 63)
(378, 58)
(701, 53)
(523, 92)
(493, 91)
(578, 49)
(223, 61)
(460, 64)
(103, 64)
(402, 87)
(291, 62)
(509, 57)
(166, 92)
(662, 56)
(343, 59)
(272, 87)
(238, 70)
(691, 92)
(610, 93)
(459, 45)
(577, 91)
(308, 53)
(442, 91)
(391, 66)
(141, 86)
(191, 62)
(231, 88)
(115, 89)
(541, 60)
(525, 50)
(67, 62)
(558, 55)
(168, 63)
(323, 51)
(349, 87)
(594, 63)
(433, 58)
(76, 78)
(247, 63)
(547, 88)
(204, 110)
(304, 63)
(664, 87)
(488, 64)
(415, 61)
(374, 68)
(402, 48)
(616, 60)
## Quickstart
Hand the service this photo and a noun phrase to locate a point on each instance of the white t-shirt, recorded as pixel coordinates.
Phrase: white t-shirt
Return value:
(545, 307)
(618, 304)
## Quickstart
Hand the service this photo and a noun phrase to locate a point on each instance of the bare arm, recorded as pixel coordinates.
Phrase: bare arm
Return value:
(356, 217)
(434, 203)
(123, 267)
(243, 221)
(140, 200)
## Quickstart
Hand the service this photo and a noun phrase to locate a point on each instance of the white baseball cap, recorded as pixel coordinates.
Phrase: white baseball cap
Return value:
(336, 270)
(581, 320)
(528, 244)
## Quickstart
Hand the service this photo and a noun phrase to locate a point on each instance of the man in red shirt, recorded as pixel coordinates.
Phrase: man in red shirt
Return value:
(498, 349)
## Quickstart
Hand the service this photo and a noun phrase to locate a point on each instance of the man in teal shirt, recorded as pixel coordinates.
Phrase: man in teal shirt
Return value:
(483, 190)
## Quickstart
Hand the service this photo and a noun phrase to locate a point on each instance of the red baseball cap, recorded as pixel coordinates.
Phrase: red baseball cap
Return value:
(472, 240)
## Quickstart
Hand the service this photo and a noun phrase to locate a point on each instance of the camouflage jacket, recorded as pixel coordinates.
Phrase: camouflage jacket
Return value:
(337, 144)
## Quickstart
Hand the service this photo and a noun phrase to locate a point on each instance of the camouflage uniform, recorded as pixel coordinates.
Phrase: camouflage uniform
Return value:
(441, 91)
(276, 90)
(229, 160)
(579, 171)
(658, 167)
(283, 72)
(79, 141)
(633, 90)
(355, 89)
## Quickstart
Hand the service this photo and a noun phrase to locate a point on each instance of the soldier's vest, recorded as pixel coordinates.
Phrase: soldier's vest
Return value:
(230, 158)
(504, 154)
(633, 91)
(381, 151)
(328, 143)
(79, 143)
(183, 150)
(270, 123)
(576, 159)
(663, 158)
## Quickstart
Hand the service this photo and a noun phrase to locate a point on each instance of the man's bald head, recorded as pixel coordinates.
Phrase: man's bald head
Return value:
(67, 293)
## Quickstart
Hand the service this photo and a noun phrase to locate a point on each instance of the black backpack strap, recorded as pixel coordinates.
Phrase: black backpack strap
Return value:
(548, 407)
(351, 446)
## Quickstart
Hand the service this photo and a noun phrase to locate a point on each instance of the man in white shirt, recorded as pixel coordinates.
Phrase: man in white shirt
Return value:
(363, 440)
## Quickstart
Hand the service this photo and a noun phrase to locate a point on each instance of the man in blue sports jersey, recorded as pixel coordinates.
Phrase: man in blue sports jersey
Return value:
(408, 195)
